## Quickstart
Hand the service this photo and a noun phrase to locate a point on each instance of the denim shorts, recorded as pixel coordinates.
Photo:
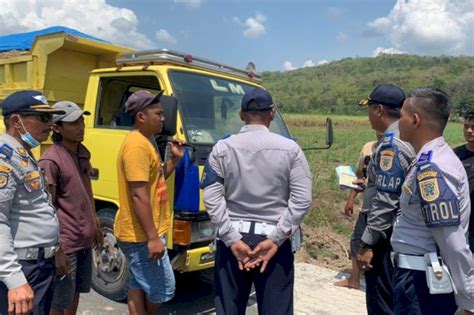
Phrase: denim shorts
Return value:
(154, 277)
(78, 280)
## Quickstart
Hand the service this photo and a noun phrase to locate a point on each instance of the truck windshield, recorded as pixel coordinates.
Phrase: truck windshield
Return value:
(209, 106)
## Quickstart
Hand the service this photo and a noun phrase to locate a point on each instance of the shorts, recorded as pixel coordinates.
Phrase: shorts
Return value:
(356, 237)
(154, 277)
(79, 279)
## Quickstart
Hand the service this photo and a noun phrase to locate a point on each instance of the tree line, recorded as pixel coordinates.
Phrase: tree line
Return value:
(336, 88)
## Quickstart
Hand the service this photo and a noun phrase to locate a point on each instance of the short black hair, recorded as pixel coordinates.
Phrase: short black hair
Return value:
(393, 112)
(434, 105)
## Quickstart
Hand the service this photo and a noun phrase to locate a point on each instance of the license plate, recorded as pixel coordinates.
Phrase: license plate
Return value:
(206, 257)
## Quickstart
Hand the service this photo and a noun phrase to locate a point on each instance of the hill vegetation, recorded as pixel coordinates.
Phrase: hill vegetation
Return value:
(336, 88)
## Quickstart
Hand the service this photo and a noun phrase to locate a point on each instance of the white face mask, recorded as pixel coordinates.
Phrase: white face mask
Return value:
(27, 137)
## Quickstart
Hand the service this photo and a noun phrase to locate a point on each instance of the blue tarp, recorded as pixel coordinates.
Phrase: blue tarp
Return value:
(24, 41)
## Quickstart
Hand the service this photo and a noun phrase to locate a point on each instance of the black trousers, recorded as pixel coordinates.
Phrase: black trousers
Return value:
(40, 276)
(379, 292)
(412, 296)
(274, 287)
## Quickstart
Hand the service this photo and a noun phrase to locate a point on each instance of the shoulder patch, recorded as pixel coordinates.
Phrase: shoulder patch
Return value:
(439, 204)
(389, 171)
(5, 169)
(386, 159)
(6, 150)
(3, 180)
(209, 177)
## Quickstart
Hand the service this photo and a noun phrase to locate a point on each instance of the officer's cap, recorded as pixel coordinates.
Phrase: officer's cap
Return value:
(141, 99)
(263, 101)
(386, 94)
(72, 112)
(27, 101)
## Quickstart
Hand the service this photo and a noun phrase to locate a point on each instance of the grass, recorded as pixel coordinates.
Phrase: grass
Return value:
(350, 134)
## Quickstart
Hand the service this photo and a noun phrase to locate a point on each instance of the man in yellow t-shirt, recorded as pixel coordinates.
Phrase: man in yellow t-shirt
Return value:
(144, 214)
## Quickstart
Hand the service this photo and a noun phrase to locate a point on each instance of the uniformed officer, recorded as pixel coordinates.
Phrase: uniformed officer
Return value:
(28, 224)
(434, 218)
(257, 189)
(386, 172)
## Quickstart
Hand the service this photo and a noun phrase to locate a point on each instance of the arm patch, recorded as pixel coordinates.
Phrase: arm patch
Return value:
(389, 171)
(439, 204)
(210, 177)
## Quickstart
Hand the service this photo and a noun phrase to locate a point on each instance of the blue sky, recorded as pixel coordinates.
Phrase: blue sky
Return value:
(276, 35)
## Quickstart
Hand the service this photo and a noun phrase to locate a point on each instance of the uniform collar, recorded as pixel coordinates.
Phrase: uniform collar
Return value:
(393, 128)
(431, 145)
(250, 128)
(11, 141)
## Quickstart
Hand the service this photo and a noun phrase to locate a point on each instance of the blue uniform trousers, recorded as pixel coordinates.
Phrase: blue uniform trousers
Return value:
(412, 296)
(40, 276)
(274, 287)
(379, 296)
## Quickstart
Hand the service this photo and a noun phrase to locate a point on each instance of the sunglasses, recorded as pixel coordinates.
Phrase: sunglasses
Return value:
(44, 117)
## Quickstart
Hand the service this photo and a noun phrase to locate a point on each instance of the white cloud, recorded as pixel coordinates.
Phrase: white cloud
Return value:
(193, 4)
(322, 62)
(388, 51)
(288, 66)
(164, 36)
(308, 63)
(342, 36)
(94, 17)
(429, 27)
(254, 26)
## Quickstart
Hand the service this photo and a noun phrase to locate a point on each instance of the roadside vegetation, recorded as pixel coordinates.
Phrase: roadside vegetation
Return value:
(333, 87)
(326, 228)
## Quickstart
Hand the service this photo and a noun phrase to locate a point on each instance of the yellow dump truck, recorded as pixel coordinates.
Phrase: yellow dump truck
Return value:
(100, 76)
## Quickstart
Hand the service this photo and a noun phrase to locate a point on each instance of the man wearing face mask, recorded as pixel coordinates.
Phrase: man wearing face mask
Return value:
(29, 228)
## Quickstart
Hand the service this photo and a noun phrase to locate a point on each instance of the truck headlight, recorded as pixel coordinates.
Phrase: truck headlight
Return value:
(202, 231)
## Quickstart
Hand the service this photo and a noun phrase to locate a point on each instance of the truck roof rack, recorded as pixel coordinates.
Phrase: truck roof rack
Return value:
(160, 56)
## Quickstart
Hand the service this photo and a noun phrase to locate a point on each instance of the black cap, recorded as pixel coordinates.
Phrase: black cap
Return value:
(27, 101)
(262, 99)
(386, 94)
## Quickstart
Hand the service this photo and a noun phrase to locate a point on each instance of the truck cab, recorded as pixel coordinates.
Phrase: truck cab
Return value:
(208, 99)
(100, 76)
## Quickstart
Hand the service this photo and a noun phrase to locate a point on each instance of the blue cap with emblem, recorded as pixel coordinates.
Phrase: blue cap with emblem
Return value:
(386, 94)
(258, 100)
(27, 101)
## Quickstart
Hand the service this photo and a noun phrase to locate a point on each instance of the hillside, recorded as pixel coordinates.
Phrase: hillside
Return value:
(338, 86)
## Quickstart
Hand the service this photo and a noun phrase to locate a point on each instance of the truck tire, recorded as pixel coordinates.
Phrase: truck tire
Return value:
(110, 274)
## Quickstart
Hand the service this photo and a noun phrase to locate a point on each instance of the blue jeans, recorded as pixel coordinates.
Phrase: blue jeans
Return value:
(154, 277)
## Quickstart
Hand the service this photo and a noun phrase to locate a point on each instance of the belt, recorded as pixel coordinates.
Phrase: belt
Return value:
(262, 228)
(410, 262)
(32, 253)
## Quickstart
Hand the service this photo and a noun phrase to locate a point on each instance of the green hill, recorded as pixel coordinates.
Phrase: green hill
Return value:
(336, 88)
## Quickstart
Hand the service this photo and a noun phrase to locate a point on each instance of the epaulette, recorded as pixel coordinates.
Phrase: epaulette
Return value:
(425, 158)
(388, 137)
(6, 151)
(226, 136)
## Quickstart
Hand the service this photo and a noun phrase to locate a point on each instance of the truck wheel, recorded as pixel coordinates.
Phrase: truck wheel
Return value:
(110, 274)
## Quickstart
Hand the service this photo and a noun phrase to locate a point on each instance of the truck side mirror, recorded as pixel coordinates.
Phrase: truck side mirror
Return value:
(329, 132)
(170, 112)
(329, 137)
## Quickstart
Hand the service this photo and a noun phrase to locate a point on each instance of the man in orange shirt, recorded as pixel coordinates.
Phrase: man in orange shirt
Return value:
(144, 214)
